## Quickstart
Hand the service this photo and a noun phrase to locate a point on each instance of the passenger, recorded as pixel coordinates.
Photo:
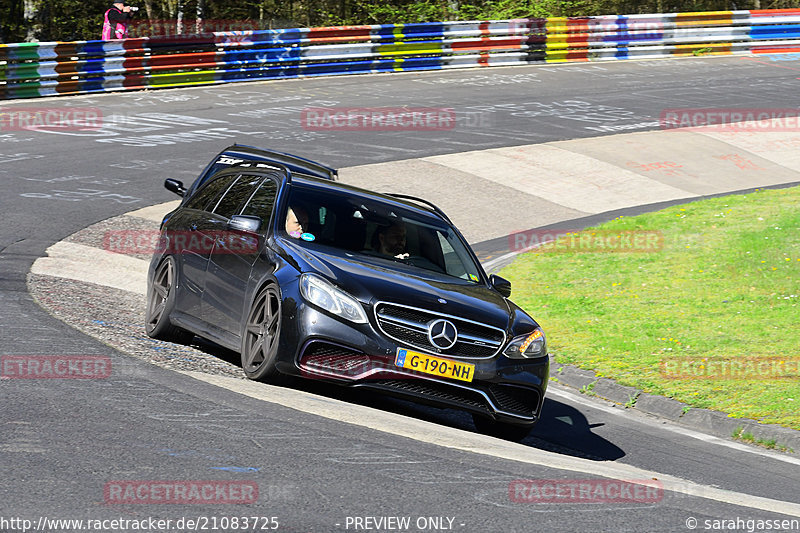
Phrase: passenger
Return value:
(296, 221)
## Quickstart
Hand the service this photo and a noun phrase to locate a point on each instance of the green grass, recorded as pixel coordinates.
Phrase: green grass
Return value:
(726, 284)
(740, 434)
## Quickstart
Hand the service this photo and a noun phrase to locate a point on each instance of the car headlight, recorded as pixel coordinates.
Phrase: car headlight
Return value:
(324, 294)
(528, 346)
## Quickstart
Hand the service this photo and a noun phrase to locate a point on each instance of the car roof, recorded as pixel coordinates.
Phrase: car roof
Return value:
(295, 164)
(306, 172)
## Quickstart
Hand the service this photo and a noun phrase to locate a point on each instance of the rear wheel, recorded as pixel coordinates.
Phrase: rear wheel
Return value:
(501, 430)
(160, 303)
(261, 333)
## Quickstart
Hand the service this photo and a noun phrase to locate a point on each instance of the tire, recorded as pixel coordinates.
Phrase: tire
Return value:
(261, 336)
(160, 303)
(501, 430)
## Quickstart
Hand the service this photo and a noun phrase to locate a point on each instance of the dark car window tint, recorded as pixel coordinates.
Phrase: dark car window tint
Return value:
(209, 192)
(357, 223)
(262, 202)
(236, 196)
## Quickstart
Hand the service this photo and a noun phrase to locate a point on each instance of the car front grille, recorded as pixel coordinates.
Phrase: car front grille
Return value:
(514, 401)
(438, 392)
(409, 325)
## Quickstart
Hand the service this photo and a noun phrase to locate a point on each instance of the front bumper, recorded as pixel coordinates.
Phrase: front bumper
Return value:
(320, 346)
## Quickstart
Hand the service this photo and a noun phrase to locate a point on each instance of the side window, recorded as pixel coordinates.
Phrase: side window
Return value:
(224, 162)
(237, 195)
(204, 197)
(453, 264)
(262, 202)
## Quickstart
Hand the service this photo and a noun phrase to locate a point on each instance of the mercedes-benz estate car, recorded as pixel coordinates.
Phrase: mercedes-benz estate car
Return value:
(269, 255)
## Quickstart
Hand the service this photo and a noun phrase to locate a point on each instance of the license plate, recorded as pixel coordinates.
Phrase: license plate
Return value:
(436, 366)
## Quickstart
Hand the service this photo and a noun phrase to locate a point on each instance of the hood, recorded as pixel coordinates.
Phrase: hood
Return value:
(373, 279)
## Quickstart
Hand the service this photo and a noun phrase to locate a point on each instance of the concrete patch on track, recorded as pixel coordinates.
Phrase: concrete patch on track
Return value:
(690, 161)
(93, 265)
(782, 148)
(563, 177)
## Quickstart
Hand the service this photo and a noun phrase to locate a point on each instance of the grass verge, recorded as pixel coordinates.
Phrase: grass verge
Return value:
(718, 293)
(745, 436)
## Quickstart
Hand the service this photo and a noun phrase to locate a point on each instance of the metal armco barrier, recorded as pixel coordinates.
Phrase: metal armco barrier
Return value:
(63, 68)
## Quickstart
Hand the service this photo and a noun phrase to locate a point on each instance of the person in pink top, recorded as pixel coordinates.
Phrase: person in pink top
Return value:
(115, 22)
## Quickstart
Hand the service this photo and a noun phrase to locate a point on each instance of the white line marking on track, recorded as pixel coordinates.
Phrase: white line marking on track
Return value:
(577, 398)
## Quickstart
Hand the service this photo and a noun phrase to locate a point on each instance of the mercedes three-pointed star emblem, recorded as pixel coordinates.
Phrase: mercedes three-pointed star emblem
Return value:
(442, 333)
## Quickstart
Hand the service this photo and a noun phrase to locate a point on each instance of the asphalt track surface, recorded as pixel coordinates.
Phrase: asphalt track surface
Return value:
(62, 441)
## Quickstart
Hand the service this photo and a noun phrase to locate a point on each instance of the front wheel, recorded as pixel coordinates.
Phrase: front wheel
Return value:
(160, 303)
(261, 333)
(501, 430)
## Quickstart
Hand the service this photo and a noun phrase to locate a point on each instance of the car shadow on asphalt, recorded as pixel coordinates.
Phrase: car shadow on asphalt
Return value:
(568, 429)
(562, 428)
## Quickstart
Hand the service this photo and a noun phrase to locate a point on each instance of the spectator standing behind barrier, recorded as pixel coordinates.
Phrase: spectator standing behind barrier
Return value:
(115, 22)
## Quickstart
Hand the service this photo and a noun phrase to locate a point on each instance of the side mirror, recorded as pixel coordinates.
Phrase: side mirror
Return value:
(246, 223)
(175, 186)
(501, 285)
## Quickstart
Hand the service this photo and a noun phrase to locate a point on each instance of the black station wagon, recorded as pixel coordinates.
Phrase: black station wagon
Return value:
(270, 256)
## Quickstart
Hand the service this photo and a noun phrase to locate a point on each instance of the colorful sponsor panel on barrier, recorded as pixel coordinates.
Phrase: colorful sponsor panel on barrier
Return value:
(241, 52)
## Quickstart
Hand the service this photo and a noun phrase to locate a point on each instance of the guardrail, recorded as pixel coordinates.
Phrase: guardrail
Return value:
(63, 68)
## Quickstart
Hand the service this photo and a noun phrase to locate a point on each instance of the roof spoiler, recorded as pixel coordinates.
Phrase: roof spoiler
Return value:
(295, 164)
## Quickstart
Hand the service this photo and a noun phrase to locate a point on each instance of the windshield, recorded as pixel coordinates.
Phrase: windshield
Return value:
(373, 228)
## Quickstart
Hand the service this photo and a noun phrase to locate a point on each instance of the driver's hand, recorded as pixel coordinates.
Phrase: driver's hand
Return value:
(126, 9)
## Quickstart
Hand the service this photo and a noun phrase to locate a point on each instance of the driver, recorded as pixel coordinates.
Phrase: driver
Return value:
(392, 240)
